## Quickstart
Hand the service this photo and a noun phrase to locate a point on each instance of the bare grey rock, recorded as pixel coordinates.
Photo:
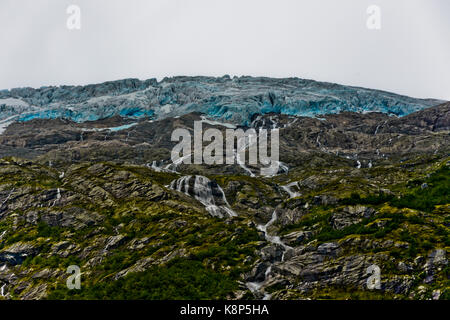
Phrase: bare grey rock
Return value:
(297, 237)
(351, 215)
(18, 252)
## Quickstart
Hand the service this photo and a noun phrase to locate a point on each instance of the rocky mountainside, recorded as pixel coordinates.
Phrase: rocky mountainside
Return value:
(95, 187)
(348, 136)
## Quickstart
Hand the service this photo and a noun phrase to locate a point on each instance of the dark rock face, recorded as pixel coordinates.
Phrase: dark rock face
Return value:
(16, 253)
(258, 273)
(316, 269)
(351, 215)
(437, 259)
(328, 248)
(324, 200)
(297, 237)
(432, 119)
(272, 253)
(368, 138)
(73, 217)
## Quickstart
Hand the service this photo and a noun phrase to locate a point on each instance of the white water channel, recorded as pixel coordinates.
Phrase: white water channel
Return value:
(257, 287)
(202, 190)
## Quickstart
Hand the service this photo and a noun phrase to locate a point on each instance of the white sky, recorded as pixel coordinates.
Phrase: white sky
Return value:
(324, 40)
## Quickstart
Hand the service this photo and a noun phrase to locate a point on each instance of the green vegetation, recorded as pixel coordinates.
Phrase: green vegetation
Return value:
(180, 279)
(433, 191)
(425, 195)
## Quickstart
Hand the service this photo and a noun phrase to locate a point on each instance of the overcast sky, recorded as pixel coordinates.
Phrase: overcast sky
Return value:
(325, 40)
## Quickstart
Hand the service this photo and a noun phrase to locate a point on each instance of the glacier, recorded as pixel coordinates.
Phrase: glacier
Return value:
(233, 100)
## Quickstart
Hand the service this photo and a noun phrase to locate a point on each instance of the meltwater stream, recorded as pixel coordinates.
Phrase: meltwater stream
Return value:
(207, 192)
(257, 287)
(212, 196)
(288, 189)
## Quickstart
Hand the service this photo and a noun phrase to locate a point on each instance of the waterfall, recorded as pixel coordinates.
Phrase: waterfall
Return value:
(8, 197)
(217, 123)
(280, 166)
(275, 170)
(284, 168)
(291, 123)
(154, 166)
(376, 129)
(241, 162)
(1, 237)
(172, 167)
(203, 192)
(180, 183)
(379, 126)
(227, 207)
(58, 197)
(272, 239)
(254, 122)
(287, 188)
(207, 192)
(157, 166)
(256, 286)
(274, 122)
